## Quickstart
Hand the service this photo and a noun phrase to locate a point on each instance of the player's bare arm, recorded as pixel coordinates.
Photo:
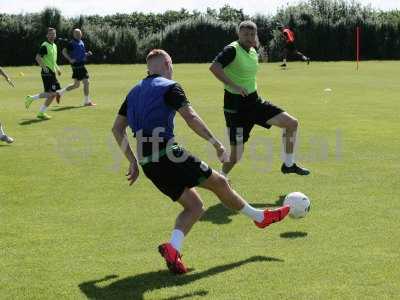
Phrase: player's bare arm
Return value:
(218, 71)
(119, 132)
(6, 77)
(40, 62)
(200, 128)
(66, 55)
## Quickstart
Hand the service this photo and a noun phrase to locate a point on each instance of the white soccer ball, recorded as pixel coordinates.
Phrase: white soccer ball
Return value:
(299, 204)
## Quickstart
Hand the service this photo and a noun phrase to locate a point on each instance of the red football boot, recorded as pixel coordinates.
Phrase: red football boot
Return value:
(272, 216)
(173, 258)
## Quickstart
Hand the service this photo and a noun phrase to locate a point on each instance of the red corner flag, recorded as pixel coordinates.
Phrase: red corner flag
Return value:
(358, 45)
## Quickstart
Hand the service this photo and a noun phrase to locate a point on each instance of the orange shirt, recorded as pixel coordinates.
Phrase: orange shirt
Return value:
(289, 35)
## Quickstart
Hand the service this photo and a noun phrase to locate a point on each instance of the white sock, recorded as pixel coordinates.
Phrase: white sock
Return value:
(177, 237)
(253, 213)
(87, 99)
(43, 108)
(36, 97)
(289, 159)
(1, 130)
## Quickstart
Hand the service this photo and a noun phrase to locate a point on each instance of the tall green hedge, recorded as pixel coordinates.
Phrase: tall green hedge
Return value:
(325, 30)
(195, 40)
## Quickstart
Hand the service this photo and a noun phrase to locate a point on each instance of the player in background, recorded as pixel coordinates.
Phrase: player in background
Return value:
(77, 55)
(3, 136)
(47, 60)
(149, 110)
(290, 46)
(236, 67)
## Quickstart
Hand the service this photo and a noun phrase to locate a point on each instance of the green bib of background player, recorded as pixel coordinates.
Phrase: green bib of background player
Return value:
(50, 59)
(243, 69)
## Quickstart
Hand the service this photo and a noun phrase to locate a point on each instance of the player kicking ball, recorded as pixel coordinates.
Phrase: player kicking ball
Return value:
(149, 110)
(76, 54)
(47, 60)
(3, 136)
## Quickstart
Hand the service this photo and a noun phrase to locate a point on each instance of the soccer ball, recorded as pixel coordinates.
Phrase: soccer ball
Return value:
(299, 204)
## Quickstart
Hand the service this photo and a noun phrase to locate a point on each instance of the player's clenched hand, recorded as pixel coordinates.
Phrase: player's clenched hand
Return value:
(133, 173)
(238, 89)
(221, 152)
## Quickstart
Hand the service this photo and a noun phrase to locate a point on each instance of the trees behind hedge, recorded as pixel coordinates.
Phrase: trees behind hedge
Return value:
(325, 30)
(193, 40)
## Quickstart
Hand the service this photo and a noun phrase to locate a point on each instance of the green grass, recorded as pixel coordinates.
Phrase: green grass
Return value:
(68, 217)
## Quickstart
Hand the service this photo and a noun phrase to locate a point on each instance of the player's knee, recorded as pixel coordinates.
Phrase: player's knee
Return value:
(221, 183)
(76, 85)
(295, 124)
(235, 158)
(292, 124)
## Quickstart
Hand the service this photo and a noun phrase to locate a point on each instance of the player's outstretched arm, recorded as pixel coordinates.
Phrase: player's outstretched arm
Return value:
(119, 132)
(200, 128)
(4, 74)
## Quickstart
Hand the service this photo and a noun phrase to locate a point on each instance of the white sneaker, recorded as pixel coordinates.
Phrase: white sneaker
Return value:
(90, 103)
(6, 139)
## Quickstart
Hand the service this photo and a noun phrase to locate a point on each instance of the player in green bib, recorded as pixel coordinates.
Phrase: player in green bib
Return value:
(47, 60)
(236, 67)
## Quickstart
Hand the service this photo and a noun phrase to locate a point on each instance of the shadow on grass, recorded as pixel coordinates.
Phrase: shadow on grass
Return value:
(201, 293)
(293, 234)
(219, 214)
(25, 122)
(134, 287)
(65, 108)
(56, 109)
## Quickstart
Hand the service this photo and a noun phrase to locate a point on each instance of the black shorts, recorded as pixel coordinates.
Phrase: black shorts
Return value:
(175, 171)
(79, 72)
(250, 111)
(291, 47)
(50, 82)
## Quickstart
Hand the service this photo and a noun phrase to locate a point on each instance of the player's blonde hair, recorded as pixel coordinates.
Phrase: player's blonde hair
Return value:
(156, 53)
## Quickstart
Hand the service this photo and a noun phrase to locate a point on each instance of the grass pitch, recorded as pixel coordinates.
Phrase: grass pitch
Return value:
(71, 227)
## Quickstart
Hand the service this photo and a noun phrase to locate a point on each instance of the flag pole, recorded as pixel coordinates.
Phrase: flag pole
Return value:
(358, 46)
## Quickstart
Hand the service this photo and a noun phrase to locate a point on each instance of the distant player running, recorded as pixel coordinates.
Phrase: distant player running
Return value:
(149, 110)
(47, 60)
(290, 46)
(236, 67)
(76, 54)
(3, 136)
